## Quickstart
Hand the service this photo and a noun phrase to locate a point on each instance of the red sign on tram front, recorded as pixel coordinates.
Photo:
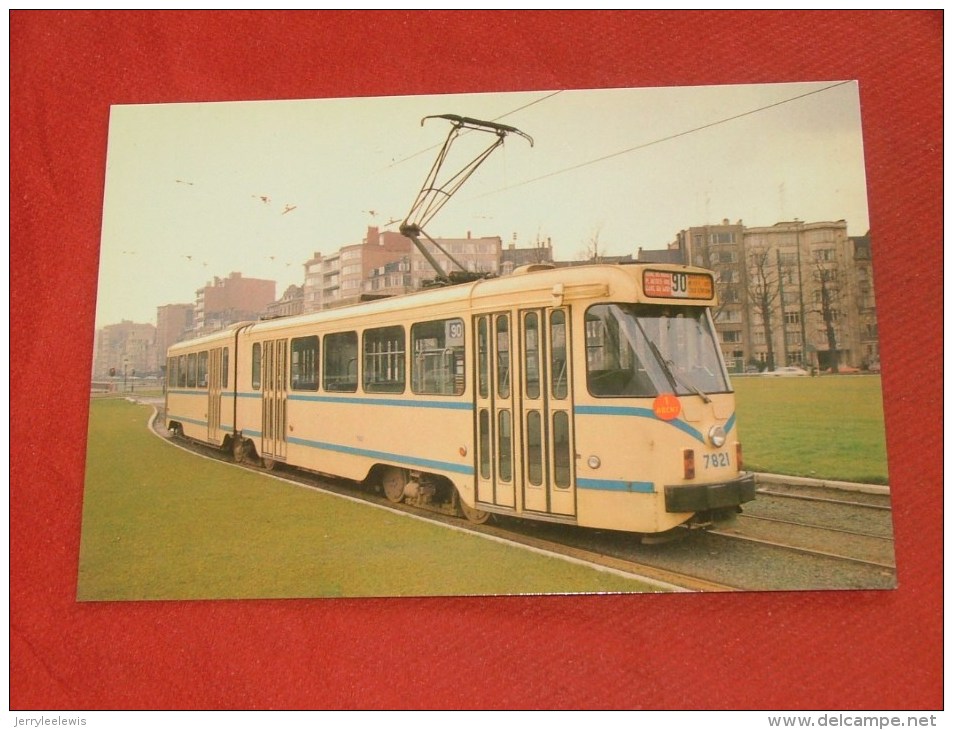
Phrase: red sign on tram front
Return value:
(677, 285)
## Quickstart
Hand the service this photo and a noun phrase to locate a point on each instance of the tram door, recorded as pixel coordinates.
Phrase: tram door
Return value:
(274, 399)
(214, 376)
(494, 404)
(524, 408)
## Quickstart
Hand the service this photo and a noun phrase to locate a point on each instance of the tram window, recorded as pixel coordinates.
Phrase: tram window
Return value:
(561, 454)
(439, 362)
(531, 353)
(505, 448)
(559, 354)
(182, 371)
(190, 381)
(503, 356)
(644, 350)
(304, 363)
(202, 381)
(384, 358)
(172, 376)
(224, 367)
(613, 368)
(534, 448)
(485, 449)
(340, 362)
(483, 359)
(256, 366)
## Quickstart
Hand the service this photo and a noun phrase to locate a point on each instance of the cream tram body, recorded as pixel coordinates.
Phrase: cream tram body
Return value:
(593, 396)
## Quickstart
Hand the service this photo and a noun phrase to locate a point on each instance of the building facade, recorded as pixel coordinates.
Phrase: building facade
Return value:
(222, 302)
(342, 277)
(512, 257)
(173, 322)
(290, 303)
(128, 349)
(478, 255)
(387, 263)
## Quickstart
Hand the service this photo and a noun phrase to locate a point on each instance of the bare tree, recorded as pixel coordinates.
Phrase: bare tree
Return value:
(592, 252)
(763, 289)
(827, 297)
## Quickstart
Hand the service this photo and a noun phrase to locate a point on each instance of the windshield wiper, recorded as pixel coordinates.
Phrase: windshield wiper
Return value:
(668, 367)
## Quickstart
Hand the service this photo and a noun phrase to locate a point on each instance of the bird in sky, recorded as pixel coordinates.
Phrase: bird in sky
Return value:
(288, 208)
(184, 182)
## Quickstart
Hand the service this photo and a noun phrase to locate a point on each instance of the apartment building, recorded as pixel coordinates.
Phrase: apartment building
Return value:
(224, 301)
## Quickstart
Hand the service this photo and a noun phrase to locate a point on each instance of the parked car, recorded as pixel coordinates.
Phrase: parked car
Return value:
(788, 371)
(843, 370)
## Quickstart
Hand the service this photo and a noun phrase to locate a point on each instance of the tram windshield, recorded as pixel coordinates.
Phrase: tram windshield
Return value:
(642, 350)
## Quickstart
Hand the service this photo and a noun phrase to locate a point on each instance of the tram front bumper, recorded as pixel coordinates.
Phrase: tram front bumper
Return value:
(702, 497)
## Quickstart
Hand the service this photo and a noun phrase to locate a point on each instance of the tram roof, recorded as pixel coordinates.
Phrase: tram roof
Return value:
(524, 286)
(527, 286)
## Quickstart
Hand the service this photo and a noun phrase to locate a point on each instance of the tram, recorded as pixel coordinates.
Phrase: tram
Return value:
(594, 396)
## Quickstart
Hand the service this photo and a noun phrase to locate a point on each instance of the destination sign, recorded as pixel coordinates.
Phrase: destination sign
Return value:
(678, 285)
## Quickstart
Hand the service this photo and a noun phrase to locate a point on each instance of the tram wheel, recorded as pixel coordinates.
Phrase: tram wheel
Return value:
(474, 515)
(267, 463)
(394, 481)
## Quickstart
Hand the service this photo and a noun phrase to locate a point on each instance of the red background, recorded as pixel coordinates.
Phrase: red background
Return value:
(851, 650)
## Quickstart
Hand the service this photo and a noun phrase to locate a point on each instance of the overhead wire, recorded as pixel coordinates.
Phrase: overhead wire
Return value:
(660, 140)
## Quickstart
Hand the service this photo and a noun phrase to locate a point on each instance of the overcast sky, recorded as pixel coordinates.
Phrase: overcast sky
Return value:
(195, 191)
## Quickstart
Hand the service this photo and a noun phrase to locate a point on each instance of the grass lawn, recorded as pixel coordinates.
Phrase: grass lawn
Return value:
(159, 523)
(829, 427)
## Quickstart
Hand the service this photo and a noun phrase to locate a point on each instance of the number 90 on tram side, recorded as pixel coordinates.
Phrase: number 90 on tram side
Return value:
(595, 396)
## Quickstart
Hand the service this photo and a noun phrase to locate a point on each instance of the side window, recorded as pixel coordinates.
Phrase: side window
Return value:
(559, 354)
(224, 367)
(202, 381)
(384, 358)
(483, 358)
(439, 358)
(503, 355)
(256, 366)
(182, 371)
(172, 376)
(531, 348)
(340, 362)
(192, 362)
(304, 363)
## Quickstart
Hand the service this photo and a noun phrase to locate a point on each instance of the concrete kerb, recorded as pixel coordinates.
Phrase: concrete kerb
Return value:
(821, 483)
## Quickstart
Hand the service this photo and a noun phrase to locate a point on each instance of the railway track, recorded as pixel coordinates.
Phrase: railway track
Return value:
(778, 544)
(881, 546)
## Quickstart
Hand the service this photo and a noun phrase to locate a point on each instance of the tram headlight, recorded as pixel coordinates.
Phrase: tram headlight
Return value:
(717, 436)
